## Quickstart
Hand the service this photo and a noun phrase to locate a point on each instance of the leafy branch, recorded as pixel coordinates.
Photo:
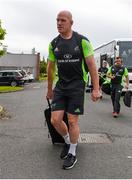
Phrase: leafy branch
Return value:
(2, 37)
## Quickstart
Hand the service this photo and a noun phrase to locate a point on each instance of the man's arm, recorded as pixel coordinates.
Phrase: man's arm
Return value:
(51, 75)
(127, 82)
(50, 71)
(94, 77)
(127, 78)
(93, 72)
(109, 74)
(88, 52)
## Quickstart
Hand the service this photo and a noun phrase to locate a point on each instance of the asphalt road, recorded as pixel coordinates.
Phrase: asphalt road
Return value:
(26, 152)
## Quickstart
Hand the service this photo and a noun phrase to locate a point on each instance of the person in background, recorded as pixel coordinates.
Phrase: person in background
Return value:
(117, 73)
(68, 94)
(102, 71)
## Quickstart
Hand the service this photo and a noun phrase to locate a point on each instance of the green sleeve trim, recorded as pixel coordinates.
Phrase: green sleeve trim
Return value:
(51, 56)
(85, 74)
(87, 51)
(125, 72)
(124, 77)
(87, 48)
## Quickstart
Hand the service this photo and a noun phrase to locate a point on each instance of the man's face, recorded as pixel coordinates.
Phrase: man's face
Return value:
(63, 23)
(118, 62)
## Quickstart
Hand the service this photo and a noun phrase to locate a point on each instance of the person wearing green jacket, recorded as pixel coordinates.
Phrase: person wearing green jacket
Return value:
(117, 73)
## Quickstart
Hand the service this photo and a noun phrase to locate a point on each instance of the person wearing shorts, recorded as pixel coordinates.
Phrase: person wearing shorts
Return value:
(65, 57)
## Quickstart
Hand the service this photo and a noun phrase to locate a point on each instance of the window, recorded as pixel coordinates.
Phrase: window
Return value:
(4, 74)
(125, 51)
(9, 74)
(1, 74)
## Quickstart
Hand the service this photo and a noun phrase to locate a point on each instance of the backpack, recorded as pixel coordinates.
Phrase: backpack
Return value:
(106, 87)
(78, 38)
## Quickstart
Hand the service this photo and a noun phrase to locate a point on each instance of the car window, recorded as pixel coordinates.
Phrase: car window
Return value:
(24, 73)
(21, 73)
(4, 74)
(9, 74)
(18, 74)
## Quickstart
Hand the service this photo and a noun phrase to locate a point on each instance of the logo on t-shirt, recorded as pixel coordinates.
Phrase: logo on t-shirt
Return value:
(67, 56)
(76, 48)
(56, 49)
(77, 110)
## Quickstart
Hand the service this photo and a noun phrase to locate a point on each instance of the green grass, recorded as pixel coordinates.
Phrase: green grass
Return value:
(10, 88)
(42, 78)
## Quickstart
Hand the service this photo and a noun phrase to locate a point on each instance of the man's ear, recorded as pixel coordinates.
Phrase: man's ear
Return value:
(71, 22)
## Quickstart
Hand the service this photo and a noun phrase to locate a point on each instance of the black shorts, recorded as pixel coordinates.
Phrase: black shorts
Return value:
(69, 101)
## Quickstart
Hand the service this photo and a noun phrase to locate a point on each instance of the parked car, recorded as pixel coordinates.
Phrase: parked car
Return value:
(30, 76)
(24, 74)
(11, 77)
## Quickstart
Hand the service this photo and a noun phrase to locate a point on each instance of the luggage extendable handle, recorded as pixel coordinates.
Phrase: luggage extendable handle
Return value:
(49, 104)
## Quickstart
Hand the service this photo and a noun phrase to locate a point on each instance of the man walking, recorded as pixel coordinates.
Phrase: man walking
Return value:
(102, 71)
(68, 94)
(117, 73)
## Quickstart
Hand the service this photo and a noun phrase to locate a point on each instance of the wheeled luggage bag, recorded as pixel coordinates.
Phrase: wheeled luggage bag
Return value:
(55, 136)
(127, 98)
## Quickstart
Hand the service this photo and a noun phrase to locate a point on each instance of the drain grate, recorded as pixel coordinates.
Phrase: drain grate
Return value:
(94, 138)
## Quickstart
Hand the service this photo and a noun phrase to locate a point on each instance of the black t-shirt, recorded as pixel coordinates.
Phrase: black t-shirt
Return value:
(69, 63)
(118, 73)
(103, 70)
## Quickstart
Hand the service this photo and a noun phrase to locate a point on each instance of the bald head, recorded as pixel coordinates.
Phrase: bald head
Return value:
(64, 22)
(66, 14)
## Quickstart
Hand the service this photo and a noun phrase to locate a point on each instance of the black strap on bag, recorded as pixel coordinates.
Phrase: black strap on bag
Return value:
(49, 107)
(48, 102)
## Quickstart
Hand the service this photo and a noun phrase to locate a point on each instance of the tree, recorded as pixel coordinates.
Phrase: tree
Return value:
(2, 37)
(43, 66)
